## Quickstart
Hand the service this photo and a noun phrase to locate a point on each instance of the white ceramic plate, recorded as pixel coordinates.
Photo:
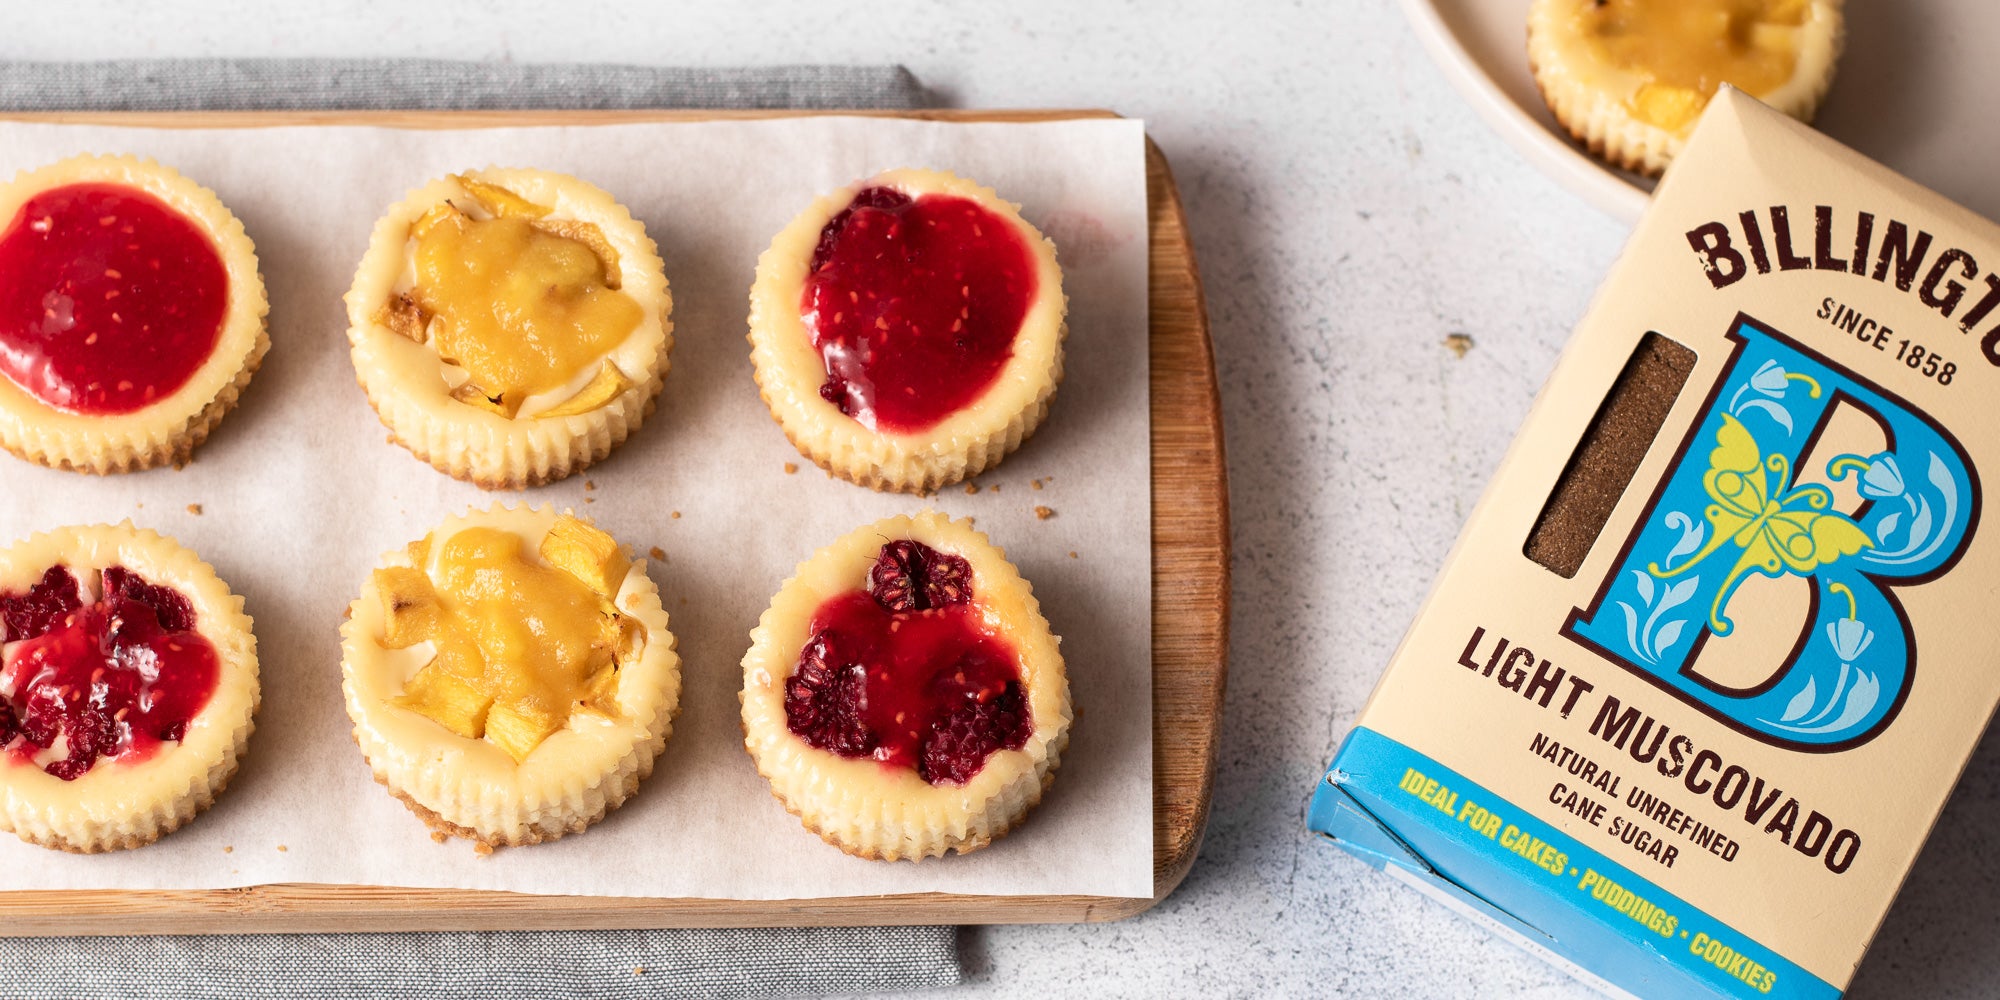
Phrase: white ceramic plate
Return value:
(1917, 89)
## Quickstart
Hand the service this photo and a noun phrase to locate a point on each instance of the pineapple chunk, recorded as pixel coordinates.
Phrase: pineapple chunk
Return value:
(458, 655)
(519, 727)
(600, 693)
(445, 214)
(410, 611)
(405, 318)
(448, 701)
(1788, 12)
(498, 200)
(1671, 108)
(586, 553)
(589, 235)
(602, 389)
(474, 396)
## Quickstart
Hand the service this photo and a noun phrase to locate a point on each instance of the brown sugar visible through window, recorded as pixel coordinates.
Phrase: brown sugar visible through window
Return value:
(1609, 455)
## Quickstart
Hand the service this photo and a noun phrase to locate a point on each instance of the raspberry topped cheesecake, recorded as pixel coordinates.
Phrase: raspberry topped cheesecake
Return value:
(131, 314)
(128, 683)
(510, 676)
(1629, 78)
(907, 330)
(510, 327)
(904, 694)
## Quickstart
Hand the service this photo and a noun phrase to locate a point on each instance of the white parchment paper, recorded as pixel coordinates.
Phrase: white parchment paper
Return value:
(300, 494)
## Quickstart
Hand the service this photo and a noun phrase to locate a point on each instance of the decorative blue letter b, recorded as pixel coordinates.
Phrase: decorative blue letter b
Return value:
(1732, 507)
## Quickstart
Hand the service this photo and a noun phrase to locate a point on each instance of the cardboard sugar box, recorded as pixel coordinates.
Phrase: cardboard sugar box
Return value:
(1711, 653)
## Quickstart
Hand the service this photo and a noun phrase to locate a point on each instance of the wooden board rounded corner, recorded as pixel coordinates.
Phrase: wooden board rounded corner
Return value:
(1191, 558)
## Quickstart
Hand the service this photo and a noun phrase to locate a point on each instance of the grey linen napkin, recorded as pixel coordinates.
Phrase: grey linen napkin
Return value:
(389, 84)
(614, 965)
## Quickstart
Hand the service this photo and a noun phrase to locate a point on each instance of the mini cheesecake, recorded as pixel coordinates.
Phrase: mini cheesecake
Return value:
(131, 314)
(128, 685)
(1628, 78)
(511, 676)
(903, 694)
(510, 327)
(907, 330)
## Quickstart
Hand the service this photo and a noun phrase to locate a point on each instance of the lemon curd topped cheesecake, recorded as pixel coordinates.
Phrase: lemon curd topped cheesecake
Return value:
(907, 330)
(510, 327)
(131, 314)
(128, 685)
(903, 693)
(511, 676)
(1628, 78)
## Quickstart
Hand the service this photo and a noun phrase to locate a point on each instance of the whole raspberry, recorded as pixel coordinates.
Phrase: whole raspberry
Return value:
(823, 701)
(912, 576)
(984, 723)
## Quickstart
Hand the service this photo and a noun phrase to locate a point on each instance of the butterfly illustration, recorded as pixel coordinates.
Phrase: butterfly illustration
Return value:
(1781, 531)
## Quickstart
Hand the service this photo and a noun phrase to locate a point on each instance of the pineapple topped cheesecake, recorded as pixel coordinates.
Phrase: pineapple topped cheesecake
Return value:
(510, 327)
(511, 676)
(1628, 78)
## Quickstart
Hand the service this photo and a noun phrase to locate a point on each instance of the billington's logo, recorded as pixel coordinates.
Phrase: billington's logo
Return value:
(1760, 584)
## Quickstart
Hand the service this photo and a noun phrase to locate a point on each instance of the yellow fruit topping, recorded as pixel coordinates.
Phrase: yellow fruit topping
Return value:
(1687, 49)
(584, 552)
(410, 612)
(602, 388)
(521, 302)
(498, 200)
(449, 700)
(589, 235)
(1671, 108)
(521, 643)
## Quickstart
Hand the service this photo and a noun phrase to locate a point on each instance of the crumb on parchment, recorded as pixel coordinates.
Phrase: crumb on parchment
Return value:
(195, 509)
(791, 468)
(1044, 513)
(971, 488)
(677, 515)
(1458, 343)
(589, 484)
(1072, 553)
(657, 553)
(483, 849)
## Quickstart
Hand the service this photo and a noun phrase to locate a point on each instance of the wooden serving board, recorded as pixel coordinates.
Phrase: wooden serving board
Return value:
(1190, 639)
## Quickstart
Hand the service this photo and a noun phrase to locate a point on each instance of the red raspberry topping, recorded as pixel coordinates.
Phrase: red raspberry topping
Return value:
(115, 678)
(907, 673)
(110, 299)
(30, 614)
(913, 305)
